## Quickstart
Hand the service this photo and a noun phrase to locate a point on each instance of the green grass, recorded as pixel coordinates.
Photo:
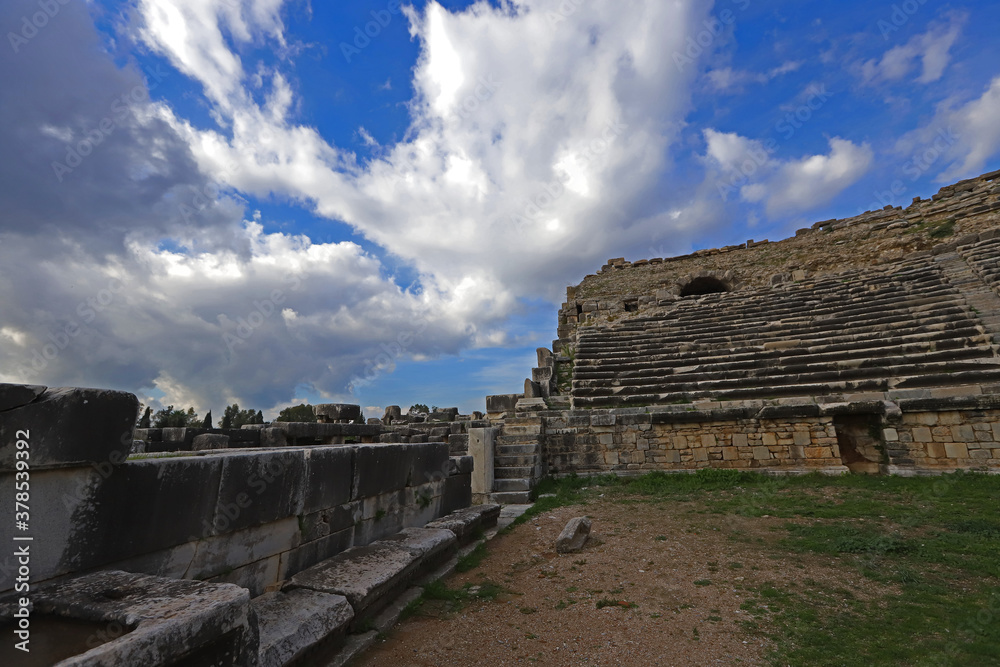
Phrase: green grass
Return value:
(473, 559)
(929, 549)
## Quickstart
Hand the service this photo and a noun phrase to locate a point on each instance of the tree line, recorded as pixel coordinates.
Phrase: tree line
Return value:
(232, 417)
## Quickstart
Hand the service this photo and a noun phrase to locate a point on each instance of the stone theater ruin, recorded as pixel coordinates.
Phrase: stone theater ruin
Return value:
(864, 345)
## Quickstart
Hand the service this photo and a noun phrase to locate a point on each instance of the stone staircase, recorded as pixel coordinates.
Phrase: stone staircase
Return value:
(919, 324)
(518, 460)
(981, 298)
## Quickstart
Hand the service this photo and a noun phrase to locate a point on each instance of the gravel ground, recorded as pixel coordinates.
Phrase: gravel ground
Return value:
(675, 579)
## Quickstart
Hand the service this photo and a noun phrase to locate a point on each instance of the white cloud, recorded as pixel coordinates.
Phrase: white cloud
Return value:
(932, 49)
(959, 140)
(813, 181)
(748, 168)
(727, 79)
(540, 129)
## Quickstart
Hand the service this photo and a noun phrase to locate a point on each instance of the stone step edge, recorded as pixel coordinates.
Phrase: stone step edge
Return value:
(357, 644)
(473, 518)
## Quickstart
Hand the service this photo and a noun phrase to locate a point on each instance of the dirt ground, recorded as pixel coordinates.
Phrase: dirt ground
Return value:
(671, 580)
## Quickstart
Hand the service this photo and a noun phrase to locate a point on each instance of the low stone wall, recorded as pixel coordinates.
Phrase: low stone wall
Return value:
(913, 436)
(253, 518)
(961, 433)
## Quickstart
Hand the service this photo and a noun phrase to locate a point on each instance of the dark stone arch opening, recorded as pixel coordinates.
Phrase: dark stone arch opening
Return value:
(704, 285)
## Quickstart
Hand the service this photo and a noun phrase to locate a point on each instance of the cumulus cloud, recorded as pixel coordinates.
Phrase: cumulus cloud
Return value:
(748, 169)
(541, 131)
(960, 139)
(931, 50)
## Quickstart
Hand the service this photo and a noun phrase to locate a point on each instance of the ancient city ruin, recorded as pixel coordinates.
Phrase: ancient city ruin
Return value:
(865, 345)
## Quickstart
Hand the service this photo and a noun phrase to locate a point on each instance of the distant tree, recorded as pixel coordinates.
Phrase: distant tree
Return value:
(259, 419)
(144, 420)
(233, 417)
(208, 420)
(170, 418)
(417, 408)
(299, 413)
(361, 418)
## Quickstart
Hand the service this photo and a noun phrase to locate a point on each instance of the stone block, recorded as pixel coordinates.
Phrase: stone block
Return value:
(768, 439)
(328, 478)
(370, 576)
(171, 621)
(306, 555)
(602, 420)
(574, 536)
(502, 403)
(963, 433)
(208, 441)
(466, 523)
(956, 450)
(294, 622)
(334, 413)
(457, 493)
(18, 395)
(922, 435)
(802, 438)
(265, 486)
(68, 426)
(379, 469)
(740, 440)
(761, 453)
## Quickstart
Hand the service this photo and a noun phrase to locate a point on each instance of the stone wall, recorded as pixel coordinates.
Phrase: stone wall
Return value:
(912, 436)
(253, 517)
(966, 436)
(250, 518)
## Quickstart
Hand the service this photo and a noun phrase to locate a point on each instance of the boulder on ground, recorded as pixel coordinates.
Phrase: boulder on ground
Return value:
(574, 536)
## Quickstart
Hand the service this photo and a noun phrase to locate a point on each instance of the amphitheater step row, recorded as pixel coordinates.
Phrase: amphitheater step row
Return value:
(923, 326)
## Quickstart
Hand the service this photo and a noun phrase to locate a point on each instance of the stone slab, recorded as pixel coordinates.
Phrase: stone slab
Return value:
(172, 620)
(70, 426)
(465, 523)
(367, 575)
(293, 622)
(16, 395)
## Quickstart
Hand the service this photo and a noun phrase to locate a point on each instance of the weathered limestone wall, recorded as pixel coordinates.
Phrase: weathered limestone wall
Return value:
(911, 436)
(610, 441)
(950, 439)
(253, 518)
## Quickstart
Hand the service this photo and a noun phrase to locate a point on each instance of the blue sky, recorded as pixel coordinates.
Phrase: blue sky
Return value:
(269, 202)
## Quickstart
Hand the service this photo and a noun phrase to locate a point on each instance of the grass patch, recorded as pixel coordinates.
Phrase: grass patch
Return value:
(473, 559)
(927, 548)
